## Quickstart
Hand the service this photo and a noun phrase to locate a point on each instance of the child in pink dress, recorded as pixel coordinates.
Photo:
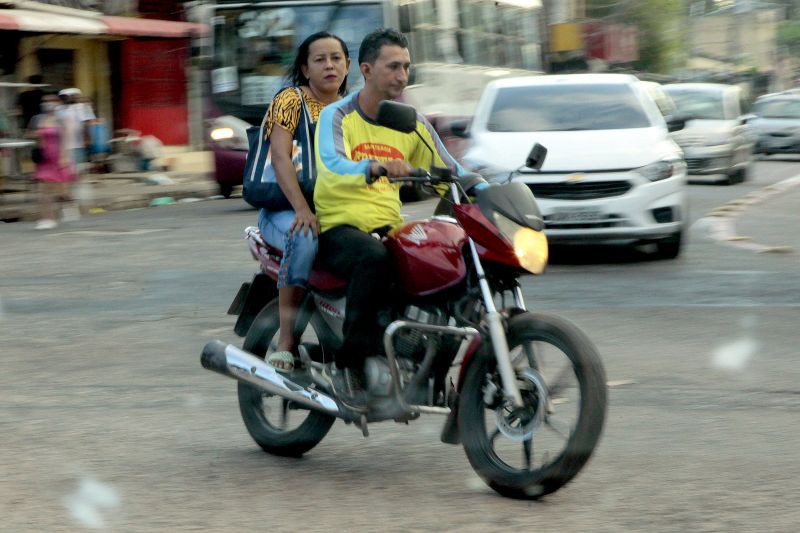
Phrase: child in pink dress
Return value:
(55, 169)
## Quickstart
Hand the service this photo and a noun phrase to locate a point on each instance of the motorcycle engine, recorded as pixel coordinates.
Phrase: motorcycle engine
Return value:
(410, 342)
(409, 345)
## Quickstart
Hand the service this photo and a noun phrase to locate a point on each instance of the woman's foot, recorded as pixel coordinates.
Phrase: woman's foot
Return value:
(281, 361)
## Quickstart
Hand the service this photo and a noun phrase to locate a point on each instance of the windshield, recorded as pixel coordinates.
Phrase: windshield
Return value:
(566, 108)
(254, 47)
(699, 104)
(784, 108)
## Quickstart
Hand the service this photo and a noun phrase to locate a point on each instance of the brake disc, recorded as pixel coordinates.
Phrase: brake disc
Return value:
(521, 423)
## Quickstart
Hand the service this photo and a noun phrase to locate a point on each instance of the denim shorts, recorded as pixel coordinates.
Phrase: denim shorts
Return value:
(299, 250)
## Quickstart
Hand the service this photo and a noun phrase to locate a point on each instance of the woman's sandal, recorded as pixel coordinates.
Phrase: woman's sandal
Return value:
(286, 358)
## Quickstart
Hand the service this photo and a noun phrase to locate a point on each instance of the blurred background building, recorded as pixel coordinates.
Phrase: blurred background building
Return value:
(129, 57)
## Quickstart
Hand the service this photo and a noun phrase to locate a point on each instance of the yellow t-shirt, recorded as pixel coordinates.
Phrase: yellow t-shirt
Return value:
(347, 141)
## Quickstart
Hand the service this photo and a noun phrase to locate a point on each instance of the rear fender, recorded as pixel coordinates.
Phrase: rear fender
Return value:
(250, 300)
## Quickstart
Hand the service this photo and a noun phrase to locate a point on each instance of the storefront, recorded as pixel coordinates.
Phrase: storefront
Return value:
(134, 70)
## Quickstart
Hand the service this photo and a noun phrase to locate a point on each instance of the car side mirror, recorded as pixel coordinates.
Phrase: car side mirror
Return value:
(676, 122)
(536, 157)
(744, 119)
(460, 128)
(397, 116)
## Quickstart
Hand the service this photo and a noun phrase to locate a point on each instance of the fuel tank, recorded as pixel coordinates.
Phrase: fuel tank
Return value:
(428, 255)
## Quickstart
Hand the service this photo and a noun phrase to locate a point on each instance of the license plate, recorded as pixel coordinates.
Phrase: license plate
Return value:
(575, 215)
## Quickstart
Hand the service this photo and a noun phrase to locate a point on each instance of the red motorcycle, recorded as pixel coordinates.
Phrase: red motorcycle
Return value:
(523, 392)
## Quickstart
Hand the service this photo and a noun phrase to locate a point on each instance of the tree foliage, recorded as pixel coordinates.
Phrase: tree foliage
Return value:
(789, 36)
(660, 23)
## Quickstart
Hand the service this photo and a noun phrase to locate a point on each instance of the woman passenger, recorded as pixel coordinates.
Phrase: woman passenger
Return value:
(320, 71)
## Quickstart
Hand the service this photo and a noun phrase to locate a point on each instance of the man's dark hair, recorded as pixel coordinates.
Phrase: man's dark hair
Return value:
(370, 47)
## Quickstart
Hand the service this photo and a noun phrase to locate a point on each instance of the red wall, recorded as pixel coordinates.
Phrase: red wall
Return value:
(153, 88)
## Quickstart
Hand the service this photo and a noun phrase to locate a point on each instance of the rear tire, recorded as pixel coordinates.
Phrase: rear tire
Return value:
(480, 384)
(272, 438)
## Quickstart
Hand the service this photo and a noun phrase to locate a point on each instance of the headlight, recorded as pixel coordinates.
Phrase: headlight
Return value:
(530, 246)
(660, 169)
(229, 133)
(220, 134)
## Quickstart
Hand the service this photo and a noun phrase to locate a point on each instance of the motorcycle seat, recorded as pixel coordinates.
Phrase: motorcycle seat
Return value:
(320, 279)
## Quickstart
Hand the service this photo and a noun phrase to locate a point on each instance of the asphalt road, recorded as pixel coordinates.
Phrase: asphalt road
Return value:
(108, 420)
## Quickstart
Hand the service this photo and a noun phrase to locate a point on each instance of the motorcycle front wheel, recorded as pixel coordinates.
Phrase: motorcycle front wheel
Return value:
(279, 426)
(529, 451)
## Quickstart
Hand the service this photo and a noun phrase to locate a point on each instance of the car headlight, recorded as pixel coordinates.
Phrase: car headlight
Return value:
(220, 134)
(530, 246)
(661, 169)
(229, 134)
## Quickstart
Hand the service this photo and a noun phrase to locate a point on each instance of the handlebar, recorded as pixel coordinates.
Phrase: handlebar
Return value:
(418, 175)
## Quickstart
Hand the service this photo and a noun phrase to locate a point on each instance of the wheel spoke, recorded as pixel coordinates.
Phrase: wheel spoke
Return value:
(527, 451)
(557, 427)
(560, 382)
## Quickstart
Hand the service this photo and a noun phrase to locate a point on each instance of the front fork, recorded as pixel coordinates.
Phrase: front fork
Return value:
(497, 332)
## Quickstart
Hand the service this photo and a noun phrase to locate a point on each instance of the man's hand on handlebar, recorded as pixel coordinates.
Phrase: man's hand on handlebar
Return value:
(397, 168)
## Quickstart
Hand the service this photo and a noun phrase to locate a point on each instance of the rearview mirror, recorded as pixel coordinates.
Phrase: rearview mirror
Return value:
(397, 116)
(676, 122)
(536, 157)
(459, 128)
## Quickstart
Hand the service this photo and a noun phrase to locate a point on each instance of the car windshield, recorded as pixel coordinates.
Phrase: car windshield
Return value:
(566, 108)
(698, 104)
(779, 108)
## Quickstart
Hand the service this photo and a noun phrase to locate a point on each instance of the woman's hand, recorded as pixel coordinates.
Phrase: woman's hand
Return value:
(305, 221)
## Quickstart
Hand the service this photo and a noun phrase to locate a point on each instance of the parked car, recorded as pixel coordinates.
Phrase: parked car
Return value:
(715, 139)
(612, 172)
(776, 122)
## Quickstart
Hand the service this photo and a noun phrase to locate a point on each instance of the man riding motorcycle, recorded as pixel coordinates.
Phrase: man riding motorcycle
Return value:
(351, 148)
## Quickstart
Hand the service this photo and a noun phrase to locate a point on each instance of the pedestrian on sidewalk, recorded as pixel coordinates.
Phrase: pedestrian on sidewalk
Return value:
(55, 170)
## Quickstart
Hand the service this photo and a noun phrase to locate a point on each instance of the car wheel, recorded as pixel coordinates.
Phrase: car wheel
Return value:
(737, 176)
(670, 247)
(226, 189)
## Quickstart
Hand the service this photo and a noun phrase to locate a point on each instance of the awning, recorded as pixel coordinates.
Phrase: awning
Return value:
(43, 22)
(129, 26)
(47, 22)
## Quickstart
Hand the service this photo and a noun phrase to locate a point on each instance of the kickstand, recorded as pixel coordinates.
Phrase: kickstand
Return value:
(362, 424)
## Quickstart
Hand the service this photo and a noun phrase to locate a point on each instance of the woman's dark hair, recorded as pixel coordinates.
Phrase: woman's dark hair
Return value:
(296, 77)
(371, 45)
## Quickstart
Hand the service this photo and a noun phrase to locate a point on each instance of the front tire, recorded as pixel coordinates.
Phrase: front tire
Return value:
(529, 337)
(256, 407)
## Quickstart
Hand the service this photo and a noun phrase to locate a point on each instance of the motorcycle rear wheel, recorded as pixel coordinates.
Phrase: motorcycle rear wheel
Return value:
(493, 432)
(275, 436)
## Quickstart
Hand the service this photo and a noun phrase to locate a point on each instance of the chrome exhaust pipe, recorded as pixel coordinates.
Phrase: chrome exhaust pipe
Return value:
(231, 361)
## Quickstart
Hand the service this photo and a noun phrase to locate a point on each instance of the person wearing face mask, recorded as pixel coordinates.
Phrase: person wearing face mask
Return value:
(54, 168)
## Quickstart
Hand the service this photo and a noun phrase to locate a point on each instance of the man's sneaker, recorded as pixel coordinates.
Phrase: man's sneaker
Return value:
(348, 385)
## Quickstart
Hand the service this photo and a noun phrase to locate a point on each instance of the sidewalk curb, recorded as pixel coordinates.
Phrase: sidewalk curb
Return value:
(111, 198)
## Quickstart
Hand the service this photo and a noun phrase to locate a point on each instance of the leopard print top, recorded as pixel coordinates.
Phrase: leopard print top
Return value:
(285, 110)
